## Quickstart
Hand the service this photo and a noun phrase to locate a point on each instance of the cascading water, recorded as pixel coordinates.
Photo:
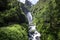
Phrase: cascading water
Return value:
(33, 33)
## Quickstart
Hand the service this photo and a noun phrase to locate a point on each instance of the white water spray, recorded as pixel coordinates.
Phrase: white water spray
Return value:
(33, 33)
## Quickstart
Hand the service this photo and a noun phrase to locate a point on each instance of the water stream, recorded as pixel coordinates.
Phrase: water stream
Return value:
(33, 34)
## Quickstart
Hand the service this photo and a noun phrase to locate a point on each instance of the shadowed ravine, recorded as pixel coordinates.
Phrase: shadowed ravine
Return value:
(33, 34)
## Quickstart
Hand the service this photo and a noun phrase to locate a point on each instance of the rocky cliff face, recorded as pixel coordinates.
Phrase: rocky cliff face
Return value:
(46, 15)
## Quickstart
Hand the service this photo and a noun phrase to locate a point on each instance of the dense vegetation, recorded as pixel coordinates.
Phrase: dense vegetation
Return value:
(13, 22)
(11, 18)
(46, 15)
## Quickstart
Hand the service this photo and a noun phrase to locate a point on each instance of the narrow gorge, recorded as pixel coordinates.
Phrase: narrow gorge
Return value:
(33, 34)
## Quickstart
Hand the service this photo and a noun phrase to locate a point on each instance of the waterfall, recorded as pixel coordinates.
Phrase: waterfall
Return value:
(33, 34)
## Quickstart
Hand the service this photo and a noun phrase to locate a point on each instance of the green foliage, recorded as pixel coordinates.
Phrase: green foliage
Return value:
(13, 14)
(11, 17)
(46, 17)
(13, 32)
